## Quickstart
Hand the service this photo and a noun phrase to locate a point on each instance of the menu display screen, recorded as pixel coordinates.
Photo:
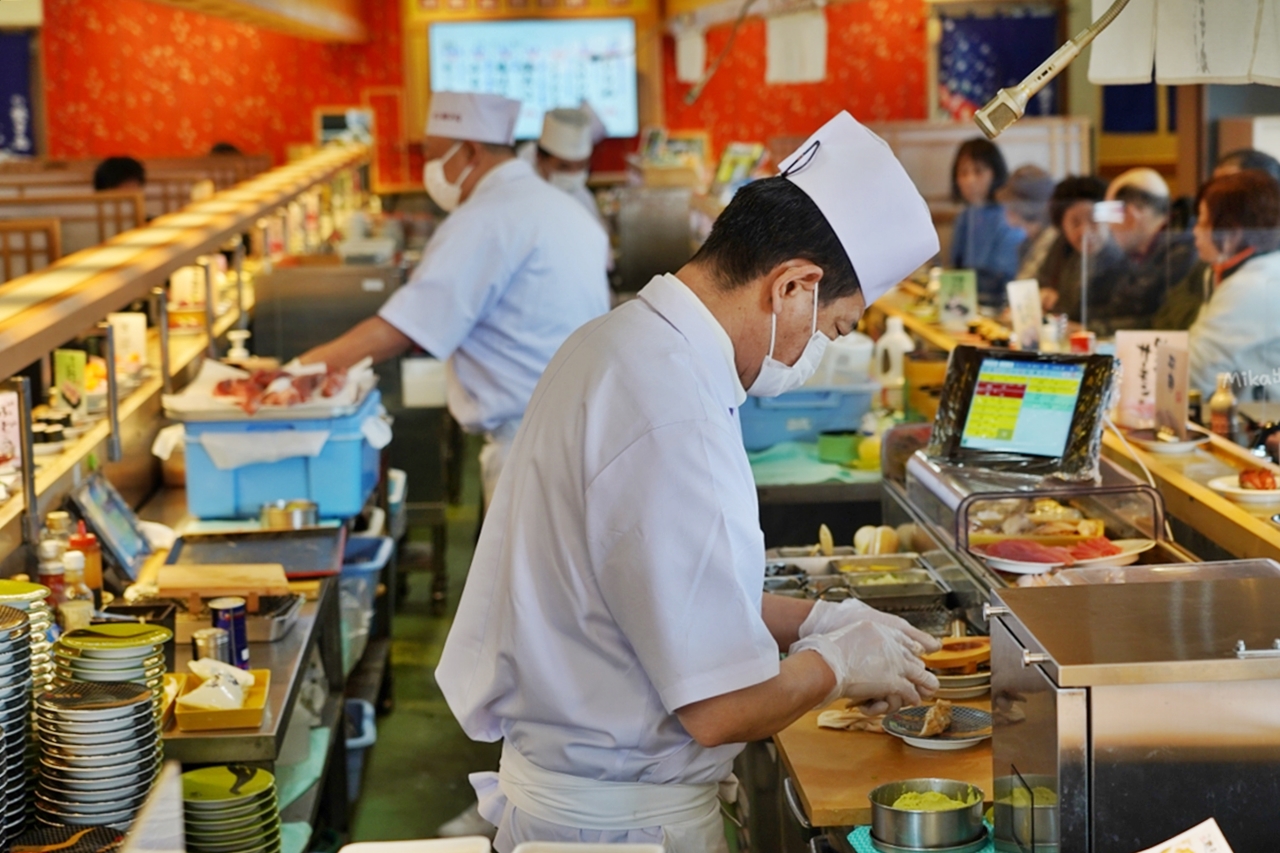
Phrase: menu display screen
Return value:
(1022, 407)
(544, 64)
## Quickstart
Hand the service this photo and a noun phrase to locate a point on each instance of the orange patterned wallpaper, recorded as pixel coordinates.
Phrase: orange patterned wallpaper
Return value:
(875, 70)
(139, 78)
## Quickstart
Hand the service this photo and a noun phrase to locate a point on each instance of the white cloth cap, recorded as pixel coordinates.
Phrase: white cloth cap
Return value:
(473, 116)
(868, 200)
(566, 133)
(598, 131)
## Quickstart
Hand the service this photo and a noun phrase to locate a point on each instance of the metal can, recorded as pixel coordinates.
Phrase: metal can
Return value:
(229, 615)
(213, 643)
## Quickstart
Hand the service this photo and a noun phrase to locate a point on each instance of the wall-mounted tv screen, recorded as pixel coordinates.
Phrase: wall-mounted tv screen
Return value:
(543, 64)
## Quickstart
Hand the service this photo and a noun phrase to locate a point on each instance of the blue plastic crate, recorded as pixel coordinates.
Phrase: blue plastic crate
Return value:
(339, 480)
(361, 735)
(801, 415)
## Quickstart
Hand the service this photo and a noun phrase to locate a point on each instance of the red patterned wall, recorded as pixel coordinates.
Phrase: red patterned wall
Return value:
(875, 70)
(138, 78)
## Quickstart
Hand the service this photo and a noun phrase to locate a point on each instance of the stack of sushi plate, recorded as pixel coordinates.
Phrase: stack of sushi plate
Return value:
(100, 751)
(231, 809)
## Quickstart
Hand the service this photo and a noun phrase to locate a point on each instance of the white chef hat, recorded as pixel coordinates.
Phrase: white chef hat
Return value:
(473, 116)
(868, 200)
(598, 130)
(566, 133)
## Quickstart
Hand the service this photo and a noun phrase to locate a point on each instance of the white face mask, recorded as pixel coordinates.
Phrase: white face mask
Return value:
(569, 181)
(447, 195)
(777, 378)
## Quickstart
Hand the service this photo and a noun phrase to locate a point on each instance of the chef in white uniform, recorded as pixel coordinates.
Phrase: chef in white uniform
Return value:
(612, 631)
(510, 273)
(564, 154)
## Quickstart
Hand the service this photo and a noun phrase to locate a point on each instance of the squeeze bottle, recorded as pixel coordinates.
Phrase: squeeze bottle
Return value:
(892, 347)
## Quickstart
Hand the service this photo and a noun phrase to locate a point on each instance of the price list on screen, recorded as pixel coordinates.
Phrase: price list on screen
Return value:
(1023, 407)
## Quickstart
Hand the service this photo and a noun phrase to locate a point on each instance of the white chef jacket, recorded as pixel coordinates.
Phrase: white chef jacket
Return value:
(618, 575)
(503, 281)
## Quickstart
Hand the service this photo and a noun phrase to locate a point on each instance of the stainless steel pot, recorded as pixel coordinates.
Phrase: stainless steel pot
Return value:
(289, 515)
(917, 830)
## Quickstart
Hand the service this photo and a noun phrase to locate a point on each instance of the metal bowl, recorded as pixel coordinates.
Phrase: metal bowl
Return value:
(289, 515)
(925, 830)
(1034, 825)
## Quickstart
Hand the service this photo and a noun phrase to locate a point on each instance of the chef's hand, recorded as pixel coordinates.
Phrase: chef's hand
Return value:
(876, 666)
(828, 616)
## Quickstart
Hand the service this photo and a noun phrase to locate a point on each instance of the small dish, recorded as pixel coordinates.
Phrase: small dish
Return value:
(1150, 442)
(969, 726)
(1229, 487)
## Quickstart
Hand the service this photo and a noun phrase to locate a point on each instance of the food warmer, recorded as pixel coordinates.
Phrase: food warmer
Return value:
(1127, 712)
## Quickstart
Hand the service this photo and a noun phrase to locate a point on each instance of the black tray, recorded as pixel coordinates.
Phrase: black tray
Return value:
(308, 553)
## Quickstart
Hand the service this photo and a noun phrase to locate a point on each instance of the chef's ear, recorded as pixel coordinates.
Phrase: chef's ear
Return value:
(791, 279)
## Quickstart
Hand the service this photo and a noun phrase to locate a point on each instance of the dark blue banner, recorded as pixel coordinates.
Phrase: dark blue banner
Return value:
(980, 55)
(16, 134)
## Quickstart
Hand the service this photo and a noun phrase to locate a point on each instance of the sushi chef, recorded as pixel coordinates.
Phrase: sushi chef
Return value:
(515, 267)
(612, 632)
(564, 154)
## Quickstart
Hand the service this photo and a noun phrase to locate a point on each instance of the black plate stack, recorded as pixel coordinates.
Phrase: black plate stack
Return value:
(100, 753)
(15, 716)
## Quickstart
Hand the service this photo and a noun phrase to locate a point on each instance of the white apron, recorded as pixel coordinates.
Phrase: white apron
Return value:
(686, 818)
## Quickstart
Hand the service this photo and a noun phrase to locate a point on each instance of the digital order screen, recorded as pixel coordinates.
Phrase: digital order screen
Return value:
(544, 64)
(1022, 407)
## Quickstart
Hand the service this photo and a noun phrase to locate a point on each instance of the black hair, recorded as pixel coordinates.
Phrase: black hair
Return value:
(114, 171)
(224, 148)
(1252, 160)
(769, 222)
(984, 151)
(1074, 189)
(1139, 197)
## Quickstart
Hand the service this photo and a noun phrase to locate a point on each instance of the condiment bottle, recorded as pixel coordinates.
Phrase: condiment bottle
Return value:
(76, 609)
(58, 524)
(52, 572)
(1195, 406)
(86, 543)
(890, 351)
(1222, 409)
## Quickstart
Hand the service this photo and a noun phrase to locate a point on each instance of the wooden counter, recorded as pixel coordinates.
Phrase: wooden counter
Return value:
(834, 771)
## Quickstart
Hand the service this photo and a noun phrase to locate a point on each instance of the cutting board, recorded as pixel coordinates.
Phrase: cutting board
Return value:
(246, 580)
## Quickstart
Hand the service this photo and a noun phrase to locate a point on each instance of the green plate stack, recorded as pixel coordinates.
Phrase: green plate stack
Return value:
(230, 809)
(114, 652)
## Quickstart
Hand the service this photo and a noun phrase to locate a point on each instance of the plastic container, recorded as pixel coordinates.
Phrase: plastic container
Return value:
(362, 564)
(847, 361)
(339, 480)
(362, 732)
(890, 351)
(397, 491)
(801, 415)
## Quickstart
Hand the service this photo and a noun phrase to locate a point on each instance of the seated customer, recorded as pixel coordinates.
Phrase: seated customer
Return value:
(119, 173)
(1071, 212)
(1180, 307)
(1026, 206)
(1238, 329)
(1155, 258)
(982, 240)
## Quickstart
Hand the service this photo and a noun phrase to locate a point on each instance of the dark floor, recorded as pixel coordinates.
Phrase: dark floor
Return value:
(416, 776)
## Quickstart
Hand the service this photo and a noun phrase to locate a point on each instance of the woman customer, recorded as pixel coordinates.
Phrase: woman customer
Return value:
(1071, 210)
(982, 240)
(1238, 329)
(1026, 206)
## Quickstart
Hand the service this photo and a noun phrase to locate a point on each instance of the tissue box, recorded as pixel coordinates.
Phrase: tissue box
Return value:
(339, 479)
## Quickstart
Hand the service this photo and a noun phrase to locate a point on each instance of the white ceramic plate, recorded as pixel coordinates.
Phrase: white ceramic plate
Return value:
(1229, 487)
(1146, 439)
(944, 745)
(1018, 567)
(1130, 550)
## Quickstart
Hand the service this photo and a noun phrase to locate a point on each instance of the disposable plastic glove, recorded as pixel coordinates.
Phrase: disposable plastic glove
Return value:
(828, 616)
(876, 667)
